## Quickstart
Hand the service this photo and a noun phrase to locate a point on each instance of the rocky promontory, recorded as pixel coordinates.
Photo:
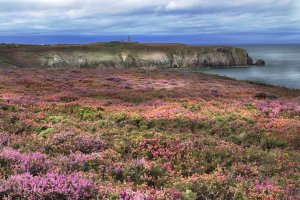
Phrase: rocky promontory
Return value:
(117, 54)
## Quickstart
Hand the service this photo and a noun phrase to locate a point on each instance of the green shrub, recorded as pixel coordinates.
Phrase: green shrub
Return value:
(263, 95)
(135, 119)
(236, 139)
(101, 123)
(135, 173)
(46, 132)
(195, 107)
(295, 141)
(120, 117)
(55, 119)
(192, 107)
(273, 142)
(254, 154)
(118, 174)
(68, 98)
(212, 189)
(157, 177)
(239, 195)
(85, 113)
(189, 195)
(250, 107)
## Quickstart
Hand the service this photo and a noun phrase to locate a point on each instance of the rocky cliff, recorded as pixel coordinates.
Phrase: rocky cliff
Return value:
(123, 55)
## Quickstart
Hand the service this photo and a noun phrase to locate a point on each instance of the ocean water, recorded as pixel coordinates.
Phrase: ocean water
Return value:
(282, 66)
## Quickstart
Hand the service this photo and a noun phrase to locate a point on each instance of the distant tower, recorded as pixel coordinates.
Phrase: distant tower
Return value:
(129, 39)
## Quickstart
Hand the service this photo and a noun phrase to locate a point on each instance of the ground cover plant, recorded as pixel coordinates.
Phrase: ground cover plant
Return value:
(136, 134)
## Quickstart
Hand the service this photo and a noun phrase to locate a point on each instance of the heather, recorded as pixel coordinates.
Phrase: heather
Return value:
(135, 134)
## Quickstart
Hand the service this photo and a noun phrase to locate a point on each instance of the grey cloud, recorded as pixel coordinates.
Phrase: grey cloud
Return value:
(146, 16)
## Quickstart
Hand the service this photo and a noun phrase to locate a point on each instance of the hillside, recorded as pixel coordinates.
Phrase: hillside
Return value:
(121, 55)
(142, 134)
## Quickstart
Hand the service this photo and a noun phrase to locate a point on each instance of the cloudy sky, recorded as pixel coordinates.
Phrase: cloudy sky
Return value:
(191, 21)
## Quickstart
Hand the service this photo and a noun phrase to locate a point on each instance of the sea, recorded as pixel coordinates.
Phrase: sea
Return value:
(282, 61)
(282, 66)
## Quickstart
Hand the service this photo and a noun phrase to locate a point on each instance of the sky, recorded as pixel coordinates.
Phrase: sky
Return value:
(187, 21)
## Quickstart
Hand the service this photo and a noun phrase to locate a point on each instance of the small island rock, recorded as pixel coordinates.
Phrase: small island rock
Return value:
(260, 62)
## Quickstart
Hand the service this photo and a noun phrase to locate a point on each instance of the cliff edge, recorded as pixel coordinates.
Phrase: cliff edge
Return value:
(117, 54)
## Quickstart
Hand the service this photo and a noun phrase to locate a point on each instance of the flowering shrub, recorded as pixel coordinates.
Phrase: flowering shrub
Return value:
(274, 108)
(152, 135)
(154, 148)
(4, 139)
(63, 137)
(49, 186)
(266, 190)
(33, 163)
(79, 162)
(213, 186)
(124, 195)
(88, 143)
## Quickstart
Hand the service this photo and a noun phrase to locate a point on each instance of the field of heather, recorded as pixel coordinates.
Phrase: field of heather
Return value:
(145, 135)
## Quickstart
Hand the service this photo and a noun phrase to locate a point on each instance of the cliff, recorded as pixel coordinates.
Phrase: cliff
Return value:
(122, 55)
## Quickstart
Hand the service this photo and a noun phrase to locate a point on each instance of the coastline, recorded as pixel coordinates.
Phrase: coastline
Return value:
(262, 83)
(122, 54)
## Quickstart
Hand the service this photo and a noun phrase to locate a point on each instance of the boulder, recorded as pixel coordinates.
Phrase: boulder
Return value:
(260, 62)
(249, 60)
(130, 61)
(175, 65)
(222, 50)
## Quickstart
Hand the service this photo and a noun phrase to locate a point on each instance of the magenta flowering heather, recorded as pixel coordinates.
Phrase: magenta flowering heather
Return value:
(63, 137)
(79, 161)
(157, 134)
(131, 195)
(139, 162)
(88, 143)
(33, 163)
(4, 139)
(264, 189)
(274, 108)
(49, 186)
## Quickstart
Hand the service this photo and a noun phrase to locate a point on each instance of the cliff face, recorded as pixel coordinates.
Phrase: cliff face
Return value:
(125, 55)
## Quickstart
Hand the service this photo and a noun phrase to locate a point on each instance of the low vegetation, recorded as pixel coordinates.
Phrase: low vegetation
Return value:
(134, 134)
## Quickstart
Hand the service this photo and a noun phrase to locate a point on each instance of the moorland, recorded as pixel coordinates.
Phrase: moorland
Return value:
(74, 133)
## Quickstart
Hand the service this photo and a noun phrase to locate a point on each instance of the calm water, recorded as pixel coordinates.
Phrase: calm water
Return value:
(282, 66)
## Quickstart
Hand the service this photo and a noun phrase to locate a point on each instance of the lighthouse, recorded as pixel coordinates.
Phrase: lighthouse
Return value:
(129, 39)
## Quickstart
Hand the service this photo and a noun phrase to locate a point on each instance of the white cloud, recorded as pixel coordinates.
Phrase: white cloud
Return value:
(147, 16)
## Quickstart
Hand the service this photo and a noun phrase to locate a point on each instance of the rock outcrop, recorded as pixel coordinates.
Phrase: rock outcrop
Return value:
(129, 55)
(260, 62)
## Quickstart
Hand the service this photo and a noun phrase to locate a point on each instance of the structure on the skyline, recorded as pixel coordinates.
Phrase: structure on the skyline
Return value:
(129, 39)
(123, 41)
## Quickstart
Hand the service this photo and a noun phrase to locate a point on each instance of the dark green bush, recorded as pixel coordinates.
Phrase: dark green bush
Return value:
(273, 142)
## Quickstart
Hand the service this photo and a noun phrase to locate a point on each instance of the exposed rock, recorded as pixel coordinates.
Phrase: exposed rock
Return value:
(204, 62)
(131, 55)
(260, 62)
(174, 65)
(222, 50)
(130, 61)
(249, 61)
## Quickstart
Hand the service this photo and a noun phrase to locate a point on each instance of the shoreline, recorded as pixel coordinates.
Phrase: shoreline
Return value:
(123, 54)
(224, 76)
